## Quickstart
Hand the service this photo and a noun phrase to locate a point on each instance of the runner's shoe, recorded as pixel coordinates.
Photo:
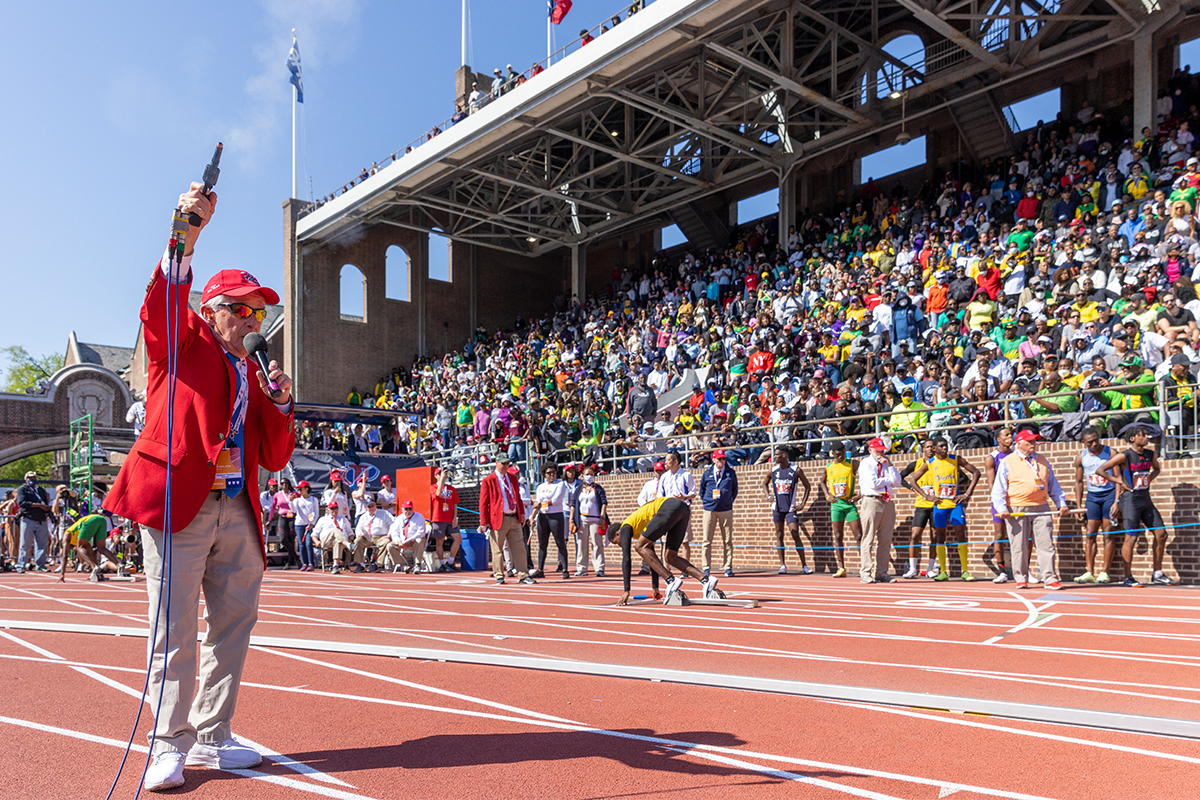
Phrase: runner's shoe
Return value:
(97, 576)
(1086, 577)
(1103, 578)
(806, 570)
(1160, 578)
(673, 587)
(1131, 582)
(911, 574)
(966, 576)
(710, 588)
(1054, 586)
(783, 569)
(932, 573)
(941, 576)
(841, 572)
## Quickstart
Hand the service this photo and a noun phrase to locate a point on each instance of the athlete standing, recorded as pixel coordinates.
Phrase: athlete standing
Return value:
(1004, 446)
(922, 514)
(840, 489)
(780, 488)
(1139, 468)
(948, 498)
(1101, 494)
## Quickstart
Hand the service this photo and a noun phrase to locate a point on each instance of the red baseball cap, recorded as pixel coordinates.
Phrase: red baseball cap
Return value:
(718, 454)
(389, 477)
(272, 482)
(407, 504)
(332, 504)
(335, 475)
(236, 283)
(660, 467)
(303, 485)
(876, 444)
(1027, 436)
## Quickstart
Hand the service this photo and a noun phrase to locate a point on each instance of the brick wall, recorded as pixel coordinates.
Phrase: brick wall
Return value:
(1176, 494)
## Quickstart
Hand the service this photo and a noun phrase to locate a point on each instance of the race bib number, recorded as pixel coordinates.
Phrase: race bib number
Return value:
(1097, 480)
(229, 469)
(947, 492)
(1141, 481)
(783, 487)
(840, 489)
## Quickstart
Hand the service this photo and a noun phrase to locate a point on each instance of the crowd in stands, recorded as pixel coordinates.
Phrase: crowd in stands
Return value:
(478, 97)
(1041, 288)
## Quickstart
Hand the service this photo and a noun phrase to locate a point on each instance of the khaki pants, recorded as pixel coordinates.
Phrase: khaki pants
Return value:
(509, 533)
(711, 520)
(381, 544)
(407, 554)
(336, 541)
(878, 522)
(589, 537)
(220, 554)
(1042, 531)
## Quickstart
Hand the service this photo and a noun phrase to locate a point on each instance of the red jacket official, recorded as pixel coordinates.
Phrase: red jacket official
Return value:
(491, 503)
(205, 383)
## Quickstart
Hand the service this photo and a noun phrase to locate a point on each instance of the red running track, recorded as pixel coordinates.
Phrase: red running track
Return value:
(369, 726)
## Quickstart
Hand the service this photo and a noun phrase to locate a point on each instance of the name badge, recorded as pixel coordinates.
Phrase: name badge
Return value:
(445, 506)
(716, 494)
(229, 469)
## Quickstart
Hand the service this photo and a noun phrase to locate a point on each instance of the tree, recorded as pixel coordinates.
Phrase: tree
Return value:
(25, 371)
(14, 472)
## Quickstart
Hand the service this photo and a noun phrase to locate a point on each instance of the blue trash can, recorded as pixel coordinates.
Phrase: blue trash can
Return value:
(474, 550)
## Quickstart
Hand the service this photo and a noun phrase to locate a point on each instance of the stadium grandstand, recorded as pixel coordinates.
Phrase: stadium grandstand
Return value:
(764, 225)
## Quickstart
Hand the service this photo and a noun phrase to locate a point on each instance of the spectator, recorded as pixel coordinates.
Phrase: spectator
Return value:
(718, 490)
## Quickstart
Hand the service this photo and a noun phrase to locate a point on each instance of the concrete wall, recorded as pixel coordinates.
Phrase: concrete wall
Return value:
(1176, 494)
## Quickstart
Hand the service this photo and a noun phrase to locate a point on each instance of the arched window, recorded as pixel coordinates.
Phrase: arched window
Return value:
(909, 50)
(397, 277)
(439, 258)
(352, 295)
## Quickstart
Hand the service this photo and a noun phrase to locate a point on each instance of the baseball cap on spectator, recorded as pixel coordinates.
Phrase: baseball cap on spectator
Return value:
(272, 482)
(388, 478)
(236, 283)
(303, 485)
(1027, 436)
(659, 466)
(819, 373)
(718, 454)
(502, 458)
(1131, 361)
(1046, 340)
(908, 390)
(407, 504)
(744, 410)
(1180, 358)
(720, 414)
(332, 504)
(876, 444)
(335, 475)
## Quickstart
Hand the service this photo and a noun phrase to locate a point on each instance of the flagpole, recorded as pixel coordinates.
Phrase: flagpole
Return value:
(464, 33)
(549, 52)
(295, 185)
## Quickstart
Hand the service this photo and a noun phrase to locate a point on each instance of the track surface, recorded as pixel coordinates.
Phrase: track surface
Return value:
(358, 726)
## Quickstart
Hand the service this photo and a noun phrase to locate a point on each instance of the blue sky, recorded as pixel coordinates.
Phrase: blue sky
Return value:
(113, 108)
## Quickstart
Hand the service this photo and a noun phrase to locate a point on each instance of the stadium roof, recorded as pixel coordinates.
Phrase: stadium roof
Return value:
(692, 97)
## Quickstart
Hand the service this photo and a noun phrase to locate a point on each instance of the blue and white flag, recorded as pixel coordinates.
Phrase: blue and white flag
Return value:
(293, 63)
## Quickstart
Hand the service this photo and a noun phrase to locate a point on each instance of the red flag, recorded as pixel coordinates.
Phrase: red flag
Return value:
(561, 7)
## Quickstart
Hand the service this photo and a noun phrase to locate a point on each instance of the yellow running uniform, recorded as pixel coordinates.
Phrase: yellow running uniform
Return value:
(840, 479)
(945, 480)
(927, 481)
(639, 519)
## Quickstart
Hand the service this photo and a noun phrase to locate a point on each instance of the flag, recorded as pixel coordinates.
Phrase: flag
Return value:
(293, 63)
(558, 9)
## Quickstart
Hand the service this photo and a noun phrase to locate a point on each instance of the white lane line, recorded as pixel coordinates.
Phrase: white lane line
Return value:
(1041, 622)
(266, 752)
(278, 780)
(971, 723)
(788, 776)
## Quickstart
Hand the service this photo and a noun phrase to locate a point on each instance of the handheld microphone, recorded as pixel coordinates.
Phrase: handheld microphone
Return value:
(211, 173)
(256, 346)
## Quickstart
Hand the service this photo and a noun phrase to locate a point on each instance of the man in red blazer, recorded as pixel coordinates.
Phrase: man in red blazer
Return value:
(500, 516)
(226, 423)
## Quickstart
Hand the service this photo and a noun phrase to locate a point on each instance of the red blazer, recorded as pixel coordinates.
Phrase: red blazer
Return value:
(491, 502)
(205, 383)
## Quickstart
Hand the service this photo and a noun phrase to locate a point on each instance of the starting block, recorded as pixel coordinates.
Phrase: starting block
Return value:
(681, 599)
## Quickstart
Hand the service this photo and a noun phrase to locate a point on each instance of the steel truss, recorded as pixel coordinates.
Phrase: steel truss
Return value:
(775, 85)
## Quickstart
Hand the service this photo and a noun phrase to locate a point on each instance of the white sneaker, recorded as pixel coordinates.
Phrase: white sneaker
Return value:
(1001, 578)
(229, 754)
(783, 569)
(806, 570)
(165, 772)
(672, 587)
(933, 573)
(912, 573)
(710, 588)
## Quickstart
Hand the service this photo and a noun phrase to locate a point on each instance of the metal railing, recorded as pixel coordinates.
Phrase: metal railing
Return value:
(1176, 419)
(629, 9)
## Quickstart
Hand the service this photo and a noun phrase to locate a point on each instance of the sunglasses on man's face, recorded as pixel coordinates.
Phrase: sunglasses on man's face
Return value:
(243, 311)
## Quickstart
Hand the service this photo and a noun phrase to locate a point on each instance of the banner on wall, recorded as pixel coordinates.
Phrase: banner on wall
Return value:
(314, 466)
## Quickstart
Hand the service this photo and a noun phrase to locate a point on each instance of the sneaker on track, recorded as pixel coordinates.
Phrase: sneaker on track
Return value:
(1131, 582)
(1160, 579)
(673, 587)
(783, 569)
(911, 574)
(841, 572)
(1086, 577)
(1001, 578)
(966, 576)
(806, 570)
(1103, 578)
(710, 588)
(941, 576)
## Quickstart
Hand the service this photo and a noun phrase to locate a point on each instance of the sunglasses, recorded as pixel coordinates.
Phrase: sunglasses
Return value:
(243, 311)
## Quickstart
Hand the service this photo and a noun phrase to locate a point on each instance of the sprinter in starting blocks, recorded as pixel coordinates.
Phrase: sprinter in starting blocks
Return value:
(663, 518)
